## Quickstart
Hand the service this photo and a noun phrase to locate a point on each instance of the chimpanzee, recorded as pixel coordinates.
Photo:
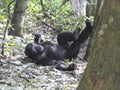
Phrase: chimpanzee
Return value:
(42, 55)
(50, 51)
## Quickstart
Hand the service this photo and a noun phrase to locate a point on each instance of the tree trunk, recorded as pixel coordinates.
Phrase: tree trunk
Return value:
(103, 69)
(79, 7)
(90, 9)
(18, 18)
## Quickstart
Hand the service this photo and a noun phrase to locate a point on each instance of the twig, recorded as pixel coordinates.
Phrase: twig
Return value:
(48, 25)
(3, 44)
(4, 36)
(9, 15)
(43, 9)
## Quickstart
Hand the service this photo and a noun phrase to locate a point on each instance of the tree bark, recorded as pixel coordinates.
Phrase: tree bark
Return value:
(79, 7)
(91, 6)
(18, 18)
(103, 72)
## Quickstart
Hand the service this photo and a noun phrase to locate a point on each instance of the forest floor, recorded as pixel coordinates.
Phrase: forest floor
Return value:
(16, 73)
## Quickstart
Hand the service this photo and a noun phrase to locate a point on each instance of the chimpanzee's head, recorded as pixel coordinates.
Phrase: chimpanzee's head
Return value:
(38, 38)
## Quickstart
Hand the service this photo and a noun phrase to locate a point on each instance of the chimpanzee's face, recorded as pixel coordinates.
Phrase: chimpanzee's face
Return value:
(40, 38)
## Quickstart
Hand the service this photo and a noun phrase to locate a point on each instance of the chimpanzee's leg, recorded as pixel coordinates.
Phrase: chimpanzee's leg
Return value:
(63, 66)
(66, 37)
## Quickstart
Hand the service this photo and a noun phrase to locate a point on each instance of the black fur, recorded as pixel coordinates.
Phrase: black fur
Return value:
(33, 48)
(47, 53)
(75, 47)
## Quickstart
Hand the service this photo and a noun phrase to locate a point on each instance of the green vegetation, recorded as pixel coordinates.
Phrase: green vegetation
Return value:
(61, 16)
(54, 14)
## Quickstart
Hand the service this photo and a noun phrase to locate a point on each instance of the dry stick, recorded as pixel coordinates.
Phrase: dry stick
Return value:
(48, 25)
(3, 43)
(4, 36)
